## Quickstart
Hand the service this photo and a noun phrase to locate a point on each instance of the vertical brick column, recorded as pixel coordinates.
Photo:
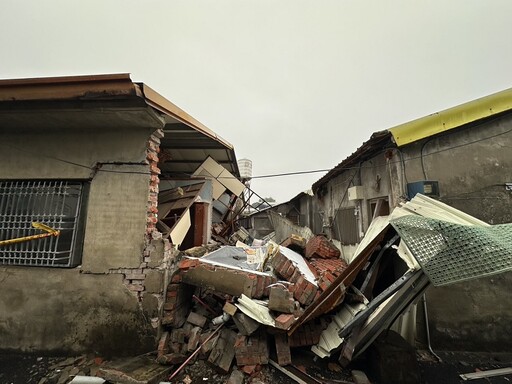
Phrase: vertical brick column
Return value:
(152, 151)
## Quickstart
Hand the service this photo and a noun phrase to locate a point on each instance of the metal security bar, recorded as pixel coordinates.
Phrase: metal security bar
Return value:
(56, 204)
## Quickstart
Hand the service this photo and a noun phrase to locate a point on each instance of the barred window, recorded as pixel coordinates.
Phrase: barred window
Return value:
(56, 204)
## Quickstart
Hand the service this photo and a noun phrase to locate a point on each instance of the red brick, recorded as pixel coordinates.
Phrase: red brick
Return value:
(296, 275)
(289, 272)
(282, 271)
(188, 263)
(278, 261)
(249, 369)
(260, 286)
(176, 278)
(284, 321)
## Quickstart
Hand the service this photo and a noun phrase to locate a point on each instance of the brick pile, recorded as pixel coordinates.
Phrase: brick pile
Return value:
(320, 247)
(327, 270)
(203, 294)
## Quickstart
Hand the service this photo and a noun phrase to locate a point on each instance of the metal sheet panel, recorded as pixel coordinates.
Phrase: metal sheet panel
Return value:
(451, 253)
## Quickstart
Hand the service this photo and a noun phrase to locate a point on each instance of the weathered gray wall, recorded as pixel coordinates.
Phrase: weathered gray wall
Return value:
(85, 308)
(116, 218)
(63, 310)
(472, 165)
(39, 153)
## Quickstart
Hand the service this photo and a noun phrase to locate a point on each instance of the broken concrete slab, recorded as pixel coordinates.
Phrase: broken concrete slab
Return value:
(236, 377)
(154, 282)
(225, 279)
(281, 300)
(136, 370)
(196, 319)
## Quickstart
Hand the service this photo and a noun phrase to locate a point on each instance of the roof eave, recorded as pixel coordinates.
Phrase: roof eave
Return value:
(451, 118)
(377, 142)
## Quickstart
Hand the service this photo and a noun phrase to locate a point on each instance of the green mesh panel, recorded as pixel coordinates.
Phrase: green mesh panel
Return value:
(451, 253)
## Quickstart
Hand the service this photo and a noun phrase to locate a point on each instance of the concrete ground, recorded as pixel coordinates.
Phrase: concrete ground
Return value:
(33, 369)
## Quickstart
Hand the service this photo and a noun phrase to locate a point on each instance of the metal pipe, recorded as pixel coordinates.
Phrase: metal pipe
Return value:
(425, 312)
(195, 352)
(199, 301)
(221, 319)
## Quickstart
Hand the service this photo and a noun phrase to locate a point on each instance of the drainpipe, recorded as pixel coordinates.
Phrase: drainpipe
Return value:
(427, 328)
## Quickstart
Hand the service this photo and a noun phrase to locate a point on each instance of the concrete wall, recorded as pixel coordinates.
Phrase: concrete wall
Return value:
(472, 165)
(98, 306)
(63, 310)
(116, 218)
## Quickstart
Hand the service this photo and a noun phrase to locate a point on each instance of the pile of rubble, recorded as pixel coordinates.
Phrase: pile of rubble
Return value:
(229, 304)
(253, 305)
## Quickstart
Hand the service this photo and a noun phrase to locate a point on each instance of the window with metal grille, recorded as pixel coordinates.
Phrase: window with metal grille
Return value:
(56, 204)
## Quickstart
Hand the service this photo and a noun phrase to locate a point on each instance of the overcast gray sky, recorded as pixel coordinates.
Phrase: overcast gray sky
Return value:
(293, 85)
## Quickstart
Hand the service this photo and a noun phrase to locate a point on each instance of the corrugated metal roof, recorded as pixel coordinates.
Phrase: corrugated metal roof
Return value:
(452, 118)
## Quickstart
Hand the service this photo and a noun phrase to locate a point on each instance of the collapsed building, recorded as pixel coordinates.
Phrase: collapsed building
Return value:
(272, 299)
(142, 242)
(460, 156)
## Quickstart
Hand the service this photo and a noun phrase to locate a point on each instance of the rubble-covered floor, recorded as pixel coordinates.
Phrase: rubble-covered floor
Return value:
(34, 369)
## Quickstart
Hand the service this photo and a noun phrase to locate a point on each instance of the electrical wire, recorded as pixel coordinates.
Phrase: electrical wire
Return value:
(401, 160)
(94, 169)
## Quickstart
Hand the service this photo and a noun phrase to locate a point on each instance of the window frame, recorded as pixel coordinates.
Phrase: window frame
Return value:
(60, 204)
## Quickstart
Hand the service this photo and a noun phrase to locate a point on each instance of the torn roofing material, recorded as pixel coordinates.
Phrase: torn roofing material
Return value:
(450, 253)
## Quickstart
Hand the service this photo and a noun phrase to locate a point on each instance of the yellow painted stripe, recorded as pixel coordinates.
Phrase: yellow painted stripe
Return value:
(452, 118)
